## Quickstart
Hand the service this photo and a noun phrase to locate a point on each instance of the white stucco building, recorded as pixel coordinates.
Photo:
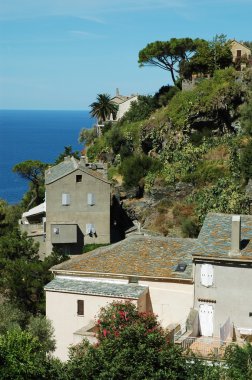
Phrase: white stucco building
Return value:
(153, 272)
(202, 285)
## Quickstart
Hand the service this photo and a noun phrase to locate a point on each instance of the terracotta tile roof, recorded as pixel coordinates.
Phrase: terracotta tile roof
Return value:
(138, 255)
(98, 288)
(215, 236)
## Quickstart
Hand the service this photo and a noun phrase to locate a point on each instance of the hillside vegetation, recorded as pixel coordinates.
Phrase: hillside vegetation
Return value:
(200, 140)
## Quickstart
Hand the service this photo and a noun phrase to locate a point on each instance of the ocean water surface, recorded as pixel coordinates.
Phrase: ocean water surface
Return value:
(35, 135)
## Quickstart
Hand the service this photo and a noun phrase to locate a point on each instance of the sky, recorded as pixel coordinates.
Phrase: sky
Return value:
(59, 54)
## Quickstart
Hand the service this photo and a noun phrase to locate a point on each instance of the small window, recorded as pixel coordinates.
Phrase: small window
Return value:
(238, 53)
(80, 307)
(78, 178)
(90, 199)
(65, 199)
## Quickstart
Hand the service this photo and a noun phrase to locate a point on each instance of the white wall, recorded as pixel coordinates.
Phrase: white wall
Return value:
(230, 293)
(170, 301)
(124, 107)
(61, 309)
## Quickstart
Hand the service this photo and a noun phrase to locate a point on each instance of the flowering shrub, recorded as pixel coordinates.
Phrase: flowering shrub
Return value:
(113, 320)
(131, 345)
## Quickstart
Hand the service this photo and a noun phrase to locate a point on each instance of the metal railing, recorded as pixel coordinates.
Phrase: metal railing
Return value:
(32, 228)
(204, 347)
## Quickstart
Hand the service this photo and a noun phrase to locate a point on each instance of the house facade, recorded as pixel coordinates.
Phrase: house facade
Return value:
(76, 210)
(223, 275)
(241, 54)
(153, 272)
(77, 205)
(123, 102)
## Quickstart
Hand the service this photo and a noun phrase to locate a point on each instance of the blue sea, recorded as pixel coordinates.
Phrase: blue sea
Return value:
(35, 135)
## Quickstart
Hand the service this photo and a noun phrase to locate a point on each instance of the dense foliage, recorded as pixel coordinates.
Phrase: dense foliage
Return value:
(131, 345)
(201, 137)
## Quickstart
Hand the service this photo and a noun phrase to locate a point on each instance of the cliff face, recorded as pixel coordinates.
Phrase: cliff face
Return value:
(156, 209)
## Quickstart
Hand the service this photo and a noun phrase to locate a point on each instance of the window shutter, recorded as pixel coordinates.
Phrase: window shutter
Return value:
(90, 229)
(206, 275)
(90, 199)
(65, 199)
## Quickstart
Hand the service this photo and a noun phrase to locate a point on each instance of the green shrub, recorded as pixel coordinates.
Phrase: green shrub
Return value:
(207, 172)
(189, 228)
(92, 246)
(134, 168)
(140, 109)
(225, 196)
(246, 161)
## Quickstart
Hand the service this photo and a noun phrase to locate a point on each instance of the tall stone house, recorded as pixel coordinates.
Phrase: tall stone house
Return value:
(76, 210)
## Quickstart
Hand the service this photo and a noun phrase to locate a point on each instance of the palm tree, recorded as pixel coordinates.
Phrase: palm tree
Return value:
(103, 108)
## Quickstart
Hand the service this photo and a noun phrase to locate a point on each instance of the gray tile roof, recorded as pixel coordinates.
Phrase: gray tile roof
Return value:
(63, 168)
(138, 255)
(158, 257)
(215, 236)
(66, 167)
(131, 291)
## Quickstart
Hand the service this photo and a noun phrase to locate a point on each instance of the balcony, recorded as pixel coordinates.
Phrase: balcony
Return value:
(33, 229)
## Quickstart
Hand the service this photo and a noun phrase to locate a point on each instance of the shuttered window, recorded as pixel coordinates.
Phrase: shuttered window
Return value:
(90, 229)
(206, 275)
(65, 199)
(90, 199)
(80, 307)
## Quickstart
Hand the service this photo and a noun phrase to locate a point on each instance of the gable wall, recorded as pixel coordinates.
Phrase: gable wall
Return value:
(124, 107)
(237, 46)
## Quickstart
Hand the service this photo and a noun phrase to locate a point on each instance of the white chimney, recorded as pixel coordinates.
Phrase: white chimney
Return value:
(236, 235)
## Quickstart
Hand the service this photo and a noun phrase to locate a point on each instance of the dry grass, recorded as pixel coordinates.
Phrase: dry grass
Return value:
(219, 153)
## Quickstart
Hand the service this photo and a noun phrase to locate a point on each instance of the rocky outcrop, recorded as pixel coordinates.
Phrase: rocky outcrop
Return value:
(154, 209)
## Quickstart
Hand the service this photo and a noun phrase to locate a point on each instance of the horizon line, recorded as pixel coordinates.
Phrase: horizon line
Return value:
(42, 109)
